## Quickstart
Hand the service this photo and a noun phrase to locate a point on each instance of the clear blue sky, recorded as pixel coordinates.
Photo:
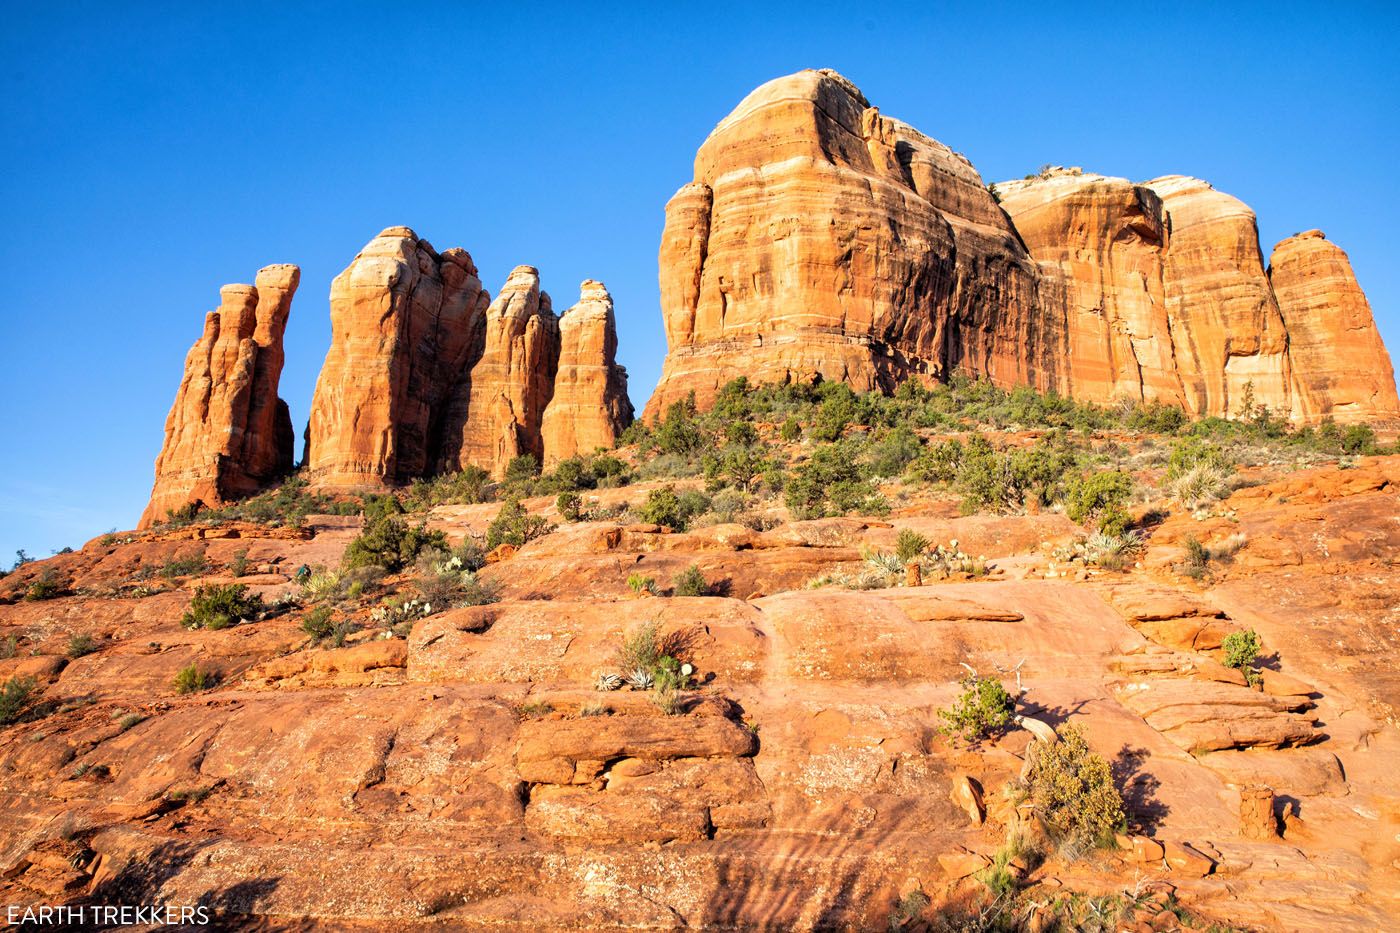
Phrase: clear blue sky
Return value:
(152, 153)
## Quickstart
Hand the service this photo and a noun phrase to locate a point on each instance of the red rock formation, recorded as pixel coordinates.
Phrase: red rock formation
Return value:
(228, 434)
(821, 239)
(1340, 367)
(1226, 326)
(404, 325)
(589, 407)
(1102, 244)
(512, 382)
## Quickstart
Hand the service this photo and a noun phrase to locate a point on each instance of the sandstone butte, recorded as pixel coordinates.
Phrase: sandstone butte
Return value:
(425, 374)
(821, 239)
(228, 433)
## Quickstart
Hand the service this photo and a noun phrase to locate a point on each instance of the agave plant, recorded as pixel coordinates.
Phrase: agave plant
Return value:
(641, 679)
(884, 562)
(608, 682)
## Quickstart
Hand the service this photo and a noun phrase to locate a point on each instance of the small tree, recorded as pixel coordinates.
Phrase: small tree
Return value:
(515, 525)
(1241, 651)
(665, 507)
(317, 623)
(1101, 497)
(1072, 789)
(570, 506)
(980, 711)
(218, 607)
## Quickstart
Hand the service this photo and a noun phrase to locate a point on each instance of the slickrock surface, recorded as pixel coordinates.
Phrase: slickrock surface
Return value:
(470, 775)
(404, 323)
(228, 433)
(1340, 367)
(589, 407)
(820, 238)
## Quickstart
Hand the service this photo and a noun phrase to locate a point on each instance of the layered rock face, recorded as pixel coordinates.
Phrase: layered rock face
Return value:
(404, 323)
(1226, 325)
(427, 374)
(1340, 367)
(228, 433)
(1102, 245)
(822, 239)
(511, 383)
(590, 404)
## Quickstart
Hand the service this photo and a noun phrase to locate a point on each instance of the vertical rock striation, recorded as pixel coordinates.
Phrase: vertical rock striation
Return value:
(404, 323)
(822, 239)
(589, 407)
(511, 383)
(1102, 245)
(1226, 326)
(1340, 367)
(228, 433)
(426, 374)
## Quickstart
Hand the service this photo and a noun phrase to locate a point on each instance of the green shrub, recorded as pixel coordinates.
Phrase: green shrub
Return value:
(514, 524)
(468, 487)
(911, 905)
(9, 647)
(1358, 439)
(791, 430)
(1072, 789)
(80, 645)
(641, 650)
(836, 412)
(219, 606)
(1102, 498)
(443, 582)
(238, 567)
(15, 696)
(48, 585)
(939, 463)
(521, 469)
(909, 545)
(386, 541)
(742, 466)
(130, 721)
(1241, 651)
(691, 582)
(1192, 452)
(664, 506)
(831, 483)
(679, 432)
(640, 583)
(1197, 562)
(193, 679)
(186, 566)
(982, 710)
(892, 453)
(570, 506)
(317, 623)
